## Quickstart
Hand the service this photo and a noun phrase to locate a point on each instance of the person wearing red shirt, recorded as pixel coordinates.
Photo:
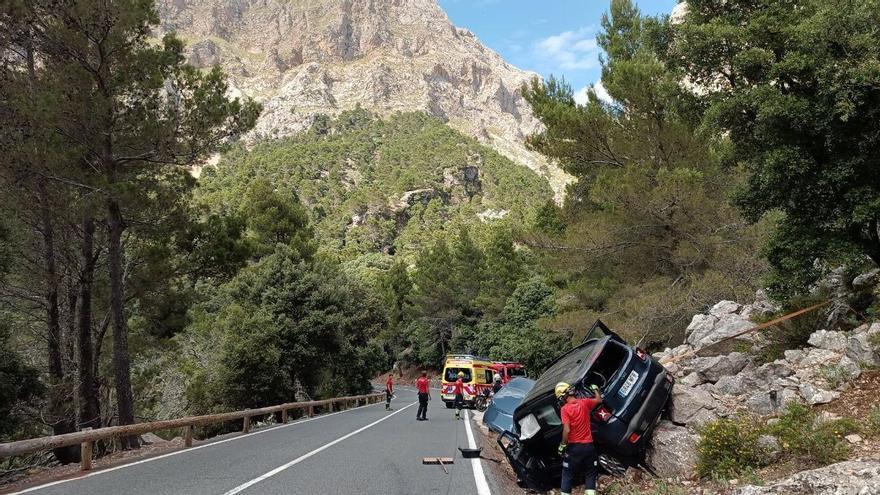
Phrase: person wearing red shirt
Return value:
(423, 387)
(577, 451)
(389, 391)
(459, 394)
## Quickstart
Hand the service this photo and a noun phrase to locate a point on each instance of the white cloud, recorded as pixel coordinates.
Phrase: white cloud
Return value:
(569, 50)
(581, 96)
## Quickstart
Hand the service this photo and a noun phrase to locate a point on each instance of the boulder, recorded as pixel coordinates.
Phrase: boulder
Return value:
(687, 402)
(815, 395)
(857, 477)
(709, 329)
(833, 341)
(860, 348)
(673, 452)
(866, 280)
(767, 402)
(712, 369)
(761, 308)
(770, 445)
(725, 308)
(734, 385)
(692, 380)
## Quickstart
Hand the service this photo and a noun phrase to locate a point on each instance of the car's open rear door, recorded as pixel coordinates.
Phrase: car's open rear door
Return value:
(599, 330)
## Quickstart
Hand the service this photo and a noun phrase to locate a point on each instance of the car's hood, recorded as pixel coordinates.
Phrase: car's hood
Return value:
(499, 415)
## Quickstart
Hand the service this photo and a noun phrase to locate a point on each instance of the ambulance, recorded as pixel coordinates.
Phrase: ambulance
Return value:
(478, 375)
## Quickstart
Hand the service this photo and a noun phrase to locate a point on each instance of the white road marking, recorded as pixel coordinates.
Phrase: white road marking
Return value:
(479, 475)
(303, 457)
(186, 450)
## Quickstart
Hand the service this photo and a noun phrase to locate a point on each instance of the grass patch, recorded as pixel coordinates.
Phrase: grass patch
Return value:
(872, 425)
(660, 487)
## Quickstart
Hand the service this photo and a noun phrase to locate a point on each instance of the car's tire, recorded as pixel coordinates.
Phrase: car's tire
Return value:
(449, 405)
(612, 466)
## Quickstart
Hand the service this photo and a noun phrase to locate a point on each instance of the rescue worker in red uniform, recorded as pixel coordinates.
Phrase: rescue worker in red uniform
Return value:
(579, 457)
(423, 386)
(389, 391)
(459, 394)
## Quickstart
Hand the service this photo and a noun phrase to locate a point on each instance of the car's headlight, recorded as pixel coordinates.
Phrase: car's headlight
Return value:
(528, 427)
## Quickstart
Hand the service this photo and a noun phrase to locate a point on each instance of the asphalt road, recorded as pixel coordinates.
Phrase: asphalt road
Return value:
(361, 451)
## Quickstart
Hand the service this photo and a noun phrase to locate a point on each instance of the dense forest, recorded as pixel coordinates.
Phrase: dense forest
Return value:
(739, 151)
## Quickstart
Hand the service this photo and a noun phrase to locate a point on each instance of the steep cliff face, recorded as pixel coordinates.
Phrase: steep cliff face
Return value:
(305, 57)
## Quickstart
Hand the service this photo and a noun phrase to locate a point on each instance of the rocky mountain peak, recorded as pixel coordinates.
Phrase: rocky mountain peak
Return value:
(308, 57)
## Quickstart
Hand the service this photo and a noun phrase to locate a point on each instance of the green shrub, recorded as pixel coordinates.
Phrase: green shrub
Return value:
(729, 447)
(834, 375)
(807, 441)
(874, 340)
(872, 425)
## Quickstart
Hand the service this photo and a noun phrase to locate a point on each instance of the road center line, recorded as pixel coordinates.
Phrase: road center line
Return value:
(479, 475)
(303, 457)
(185, 450)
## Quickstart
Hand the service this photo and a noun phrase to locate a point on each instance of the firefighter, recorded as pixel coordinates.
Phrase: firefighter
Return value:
(497, 385)
(578, 454)
(389, 391)
(423, 386)
(459, 394)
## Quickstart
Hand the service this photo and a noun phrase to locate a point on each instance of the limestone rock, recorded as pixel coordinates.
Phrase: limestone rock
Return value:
(856, 477)
(866, 280)
(687, 402)
(673, 452)
(823, 339)
(711, 328)
(861, 349)
(815, 395)
(712, 369)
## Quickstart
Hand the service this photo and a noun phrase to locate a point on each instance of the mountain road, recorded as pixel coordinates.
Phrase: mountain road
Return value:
(364, 450)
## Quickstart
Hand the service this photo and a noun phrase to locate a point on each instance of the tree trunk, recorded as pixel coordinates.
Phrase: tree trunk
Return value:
(121, 359)
(60, 415)
(89, 400)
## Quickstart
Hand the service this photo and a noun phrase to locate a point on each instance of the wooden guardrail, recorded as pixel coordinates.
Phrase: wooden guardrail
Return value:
(87, 437)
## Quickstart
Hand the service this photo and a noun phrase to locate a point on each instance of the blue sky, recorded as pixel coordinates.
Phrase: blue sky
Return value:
(546, 36)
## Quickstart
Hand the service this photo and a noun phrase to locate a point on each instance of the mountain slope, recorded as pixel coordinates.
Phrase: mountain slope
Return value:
(308, 57)
(376, 185)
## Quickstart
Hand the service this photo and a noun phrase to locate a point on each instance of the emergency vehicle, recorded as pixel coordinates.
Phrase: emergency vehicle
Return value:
(509, 370)
(478, 375)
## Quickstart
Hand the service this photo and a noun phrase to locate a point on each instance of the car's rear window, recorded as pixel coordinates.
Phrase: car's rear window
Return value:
(569, 368)
(516, 371)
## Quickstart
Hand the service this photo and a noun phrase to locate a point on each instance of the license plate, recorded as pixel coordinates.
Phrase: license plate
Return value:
(628, 384)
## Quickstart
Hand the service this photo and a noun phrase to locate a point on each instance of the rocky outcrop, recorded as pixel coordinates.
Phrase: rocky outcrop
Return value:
(302, 58)
(673, 452)
(727, 319)
(859, 477)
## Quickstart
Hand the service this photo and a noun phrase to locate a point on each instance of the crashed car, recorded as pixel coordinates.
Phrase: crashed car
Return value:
(636, 390)
(499, 416)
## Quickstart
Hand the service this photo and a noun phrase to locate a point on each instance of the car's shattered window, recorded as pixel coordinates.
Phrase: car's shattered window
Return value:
(547, 415)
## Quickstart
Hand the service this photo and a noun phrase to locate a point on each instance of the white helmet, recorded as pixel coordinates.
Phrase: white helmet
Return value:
(497, 377)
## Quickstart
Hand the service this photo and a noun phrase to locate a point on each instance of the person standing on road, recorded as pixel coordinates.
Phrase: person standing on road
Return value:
(459, 394)
(389, 391)
(578, 454)
(423, 387)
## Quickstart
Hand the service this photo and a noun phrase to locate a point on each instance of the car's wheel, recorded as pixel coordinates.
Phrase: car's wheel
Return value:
(611, 465)
(448, 405)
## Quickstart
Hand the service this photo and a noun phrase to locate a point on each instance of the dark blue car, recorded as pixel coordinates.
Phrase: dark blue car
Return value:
(636, 391)
(499, 416)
